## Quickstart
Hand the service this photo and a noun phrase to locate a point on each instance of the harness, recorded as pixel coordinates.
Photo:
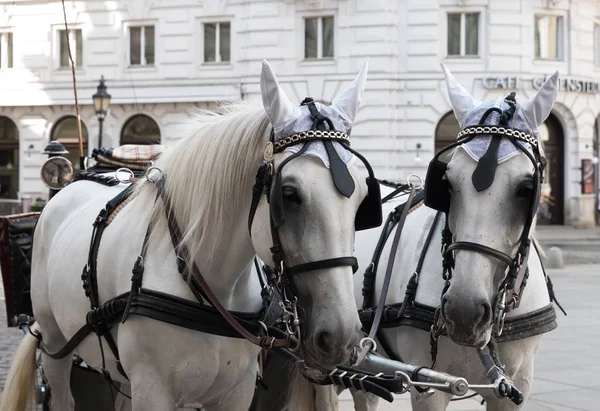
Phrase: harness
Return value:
(277, 324)
(511, 287)
(436, 195)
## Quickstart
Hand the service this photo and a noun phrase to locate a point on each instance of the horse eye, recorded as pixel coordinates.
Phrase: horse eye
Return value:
(525, 190)
(290, 194)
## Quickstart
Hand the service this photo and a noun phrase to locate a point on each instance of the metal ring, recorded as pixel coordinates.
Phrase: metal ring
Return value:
(125, 170)
(351, 382)
(365, 340)
(418, 177)
(150, 169)
(264, 327)
(360, 382)
(341, 381)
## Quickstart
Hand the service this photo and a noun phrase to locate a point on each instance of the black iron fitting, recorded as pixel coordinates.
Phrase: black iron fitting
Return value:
(102, 217)
(270, 274)
(259, 183)
(277, 254)
(85, 278)
(138, 272)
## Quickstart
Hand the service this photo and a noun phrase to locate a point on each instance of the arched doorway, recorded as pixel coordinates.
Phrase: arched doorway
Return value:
(65, 132)
(551, 210)
(140, 129)
(446, 131)
(9, 158)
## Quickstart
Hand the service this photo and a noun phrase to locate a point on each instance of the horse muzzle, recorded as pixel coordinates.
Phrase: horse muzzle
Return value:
(467, 323)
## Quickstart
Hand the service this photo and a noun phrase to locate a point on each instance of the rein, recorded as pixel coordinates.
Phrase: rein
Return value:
(368, 342)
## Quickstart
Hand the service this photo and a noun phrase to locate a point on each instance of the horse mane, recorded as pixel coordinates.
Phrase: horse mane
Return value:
(208, 173)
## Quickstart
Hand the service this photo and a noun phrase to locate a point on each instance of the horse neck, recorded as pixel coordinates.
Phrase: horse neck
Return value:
(228, 265)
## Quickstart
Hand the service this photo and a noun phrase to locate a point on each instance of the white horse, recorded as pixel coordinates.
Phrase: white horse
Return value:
(209, 179)
(495, 217)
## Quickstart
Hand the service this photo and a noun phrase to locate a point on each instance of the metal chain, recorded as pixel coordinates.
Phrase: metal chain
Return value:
(519, 135)
(311, 135)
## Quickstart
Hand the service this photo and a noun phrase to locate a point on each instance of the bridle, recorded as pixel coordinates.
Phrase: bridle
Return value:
(512, 285)
(280, 275)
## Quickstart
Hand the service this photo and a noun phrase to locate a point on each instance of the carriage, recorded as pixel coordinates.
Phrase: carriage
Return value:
(277, 316)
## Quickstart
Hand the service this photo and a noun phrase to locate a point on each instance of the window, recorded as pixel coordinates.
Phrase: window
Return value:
(76, 43)
(463, 34)
(65, 132)
(6, 50)
(140, 129)
(446, 131)
(549, 37)
(9, 158)
(217, 42)
(141, 46)
(318, 38)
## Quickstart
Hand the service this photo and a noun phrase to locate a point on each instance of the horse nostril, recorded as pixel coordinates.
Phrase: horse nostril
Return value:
(486, 316)
(323, 340)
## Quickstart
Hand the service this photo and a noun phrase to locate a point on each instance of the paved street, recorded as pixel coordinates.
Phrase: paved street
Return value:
(567, 366)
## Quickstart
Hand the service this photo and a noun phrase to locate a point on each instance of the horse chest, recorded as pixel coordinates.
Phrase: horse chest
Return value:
(217, 366)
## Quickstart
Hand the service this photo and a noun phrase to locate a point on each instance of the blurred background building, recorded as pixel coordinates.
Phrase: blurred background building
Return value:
(163, 59)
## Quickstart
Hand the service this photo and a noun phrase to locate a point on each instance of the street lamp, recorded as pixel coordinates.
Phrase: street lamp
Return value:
(101, 102)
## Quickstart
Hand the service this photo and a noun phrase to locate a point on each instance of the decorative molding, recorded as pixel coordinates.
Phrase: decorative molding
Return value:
(315, 4)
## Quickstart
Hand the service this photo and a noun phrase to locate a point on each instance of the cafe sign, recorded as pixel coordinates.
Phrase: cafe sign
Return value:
(565, 84)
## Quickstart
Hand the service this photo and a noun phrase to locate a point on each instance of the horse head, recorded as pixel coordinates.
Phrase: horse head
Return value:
(306, 224)
(491, 185)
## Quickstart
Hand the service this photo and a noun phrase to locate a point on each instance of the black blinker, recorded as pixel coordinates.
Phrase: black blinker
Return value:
(369, 213)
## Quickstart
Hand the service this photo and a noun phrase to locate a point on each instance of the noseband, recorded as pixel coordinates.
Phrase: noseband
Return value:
(513, 283)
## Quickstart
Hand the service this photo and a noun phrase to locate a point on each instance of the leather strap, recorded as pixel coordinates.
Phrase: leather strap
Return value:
(69, 347)
(386, 281)
(421, 316)
(514, 297)
(324, 264)
(263, 342)
(394, 193)
(482, 249)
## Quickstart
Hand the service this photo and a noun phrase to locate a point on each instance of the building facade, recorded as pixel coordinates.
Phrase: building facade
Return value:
(164, 59)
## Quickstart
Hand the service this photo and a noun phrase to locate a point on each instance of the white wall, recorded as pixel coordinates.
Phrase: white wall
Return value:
(404, 39)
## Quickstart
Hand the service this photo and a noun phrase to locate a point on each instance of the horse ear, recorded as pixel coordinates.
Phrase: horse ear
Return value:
(278, 106)
(461, 100)
(348, 101)
(537, 109)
